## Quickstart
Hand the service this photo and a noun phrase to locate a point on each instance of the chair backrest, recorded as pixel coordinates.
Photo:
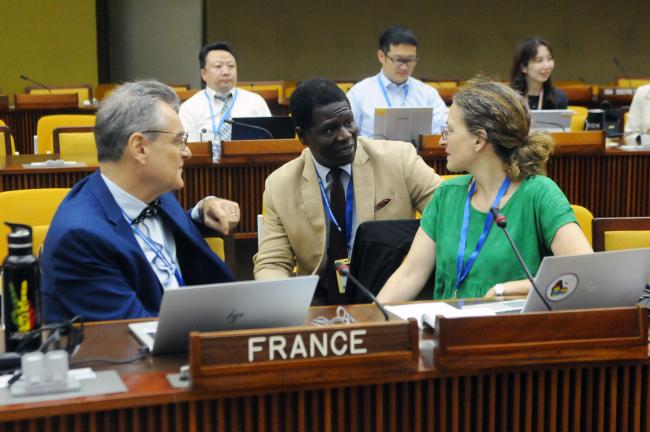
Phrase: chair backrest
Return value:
(84, 92)
(584, 217)
(33, 207)
(185, 94)
(45, 101)
(345, 86)
(579, 117)
(621, 233)
(225, 249)
(47, 124)
(74, 140)
(7, 145)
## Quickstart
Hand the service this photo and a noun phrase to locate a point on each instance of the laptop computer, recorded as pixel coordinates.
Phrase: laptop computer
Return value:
(551, 120)
(278, 127)
(599, 280)
(225, 306)
(402, 123)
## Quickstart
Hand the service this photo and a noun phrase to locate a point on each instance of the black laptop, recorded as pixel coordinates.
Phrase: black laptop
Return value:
(248, 128)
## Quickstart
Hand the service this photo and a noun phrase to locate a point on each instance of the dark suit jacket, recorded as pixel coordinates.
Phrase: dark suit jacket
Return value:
(93, 266)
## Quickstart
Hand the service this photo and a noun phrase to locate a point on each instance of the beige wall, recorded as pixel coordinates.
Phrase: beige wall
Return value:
(297, 39)
(52, 41)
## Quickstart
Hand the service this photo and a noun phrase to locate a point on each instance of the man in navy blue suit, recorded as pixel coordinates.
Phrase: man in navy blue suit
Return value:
(120, 237)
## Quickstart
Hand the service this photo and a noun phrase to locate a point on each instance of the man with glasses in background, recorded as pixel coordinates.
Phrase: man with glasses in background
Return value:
(120, 237)
(204, 114)
(394, 85)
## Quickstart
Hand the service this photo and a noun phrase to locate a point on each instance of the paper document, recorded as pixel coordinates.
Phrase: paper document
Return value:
(426, 313)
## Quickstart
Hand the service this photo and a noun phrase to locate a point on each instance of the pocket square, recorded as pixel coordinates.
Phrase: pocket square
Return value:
(381, 204)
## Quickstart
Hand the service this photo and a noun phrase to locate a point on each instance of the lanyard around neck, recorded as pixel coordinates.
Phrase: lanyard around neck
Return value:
(463, 270)
(157, 250)
(226, 115)
(383, 89)
(349, 202)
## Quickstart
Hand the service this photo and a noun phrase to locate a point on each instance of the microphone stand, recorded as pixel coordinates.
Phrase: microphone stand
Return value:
(26, 78)
(501, 222)
(266, 131)
(345, 271)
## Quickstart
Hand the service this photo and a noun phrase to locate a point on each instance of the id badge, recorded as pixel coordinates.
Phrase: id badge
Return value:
(342, 280)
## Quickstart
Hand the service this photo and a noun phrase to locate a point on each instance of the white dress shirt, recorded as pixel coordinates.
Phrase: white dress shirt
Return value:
(367, 95)
(638, 121)
(153, 228)
(197, 118)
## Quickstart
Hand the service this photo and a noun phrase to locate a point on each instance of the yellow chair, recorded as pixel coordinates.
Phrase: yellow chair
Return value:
(47, 124)
(579, 117)
(224, 247)
(7, 145)
(632, 82)
(584, 217)
(621, 233)
(74, 141)
(345, 86)
(217, 246)
(33, 207)
(84, 92)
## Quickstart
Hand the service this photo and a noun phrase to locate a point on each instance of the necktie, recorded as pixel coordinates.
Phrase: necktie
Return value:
(336, 248)
(151, 210)
(226, 129)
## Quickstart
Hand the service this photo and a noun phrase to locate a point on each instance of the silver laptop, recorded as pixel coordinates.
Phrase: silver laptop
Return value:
(599, 280)
(225, 306)
(402, 123)
(551, 120)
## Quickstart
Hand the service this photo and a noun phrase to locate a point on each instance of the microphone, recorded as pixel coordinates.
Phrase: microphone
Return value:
(620, 66)
(39, 84)
(266, 131)
(201, 134)
(344, 270)
(501, 222)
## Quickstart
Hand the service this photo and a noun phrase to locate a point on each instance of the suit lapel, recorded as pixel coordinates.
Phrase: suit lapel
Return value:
(111, 209)
(364, 186)
(311, 201)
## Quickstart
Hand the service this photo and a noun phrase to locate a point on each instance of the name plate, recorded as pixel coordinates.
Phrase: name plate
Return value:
(267, 358)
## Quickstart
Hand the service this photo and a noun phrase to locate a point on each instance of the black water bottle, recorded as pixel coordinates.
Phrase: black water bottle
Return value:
(21, 295)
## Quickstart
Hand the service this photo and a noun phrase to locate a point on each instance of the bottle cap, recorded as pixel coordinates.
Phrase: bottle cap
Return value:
(19, 239)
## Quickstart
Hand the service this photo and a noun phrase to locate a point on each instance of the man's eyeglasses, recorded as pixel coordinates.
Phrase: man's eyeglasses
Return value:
(401, 61)
(184, 136)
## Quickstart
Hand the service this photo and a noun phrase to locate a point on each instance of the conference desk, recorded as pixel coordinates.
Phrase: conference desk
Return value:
(609, 182)
(589, 396)
(22, 123)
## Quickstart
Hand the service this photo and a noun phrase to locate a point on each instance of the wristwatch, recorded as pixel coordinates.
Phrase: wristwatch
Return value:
(499, 290)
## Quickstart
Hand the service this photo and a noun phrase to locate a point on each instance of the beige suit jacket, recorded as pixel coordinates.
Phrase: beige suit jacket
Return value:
(294, 221)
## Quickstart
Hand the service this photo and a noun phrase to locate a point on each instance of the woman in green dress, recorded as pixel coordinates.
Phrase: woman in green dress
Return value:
(488, 137)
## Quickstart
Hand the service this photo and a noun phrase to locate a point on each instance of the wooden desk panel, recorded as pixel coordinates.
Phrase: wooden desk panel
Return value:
(583, 396)
(611, 184)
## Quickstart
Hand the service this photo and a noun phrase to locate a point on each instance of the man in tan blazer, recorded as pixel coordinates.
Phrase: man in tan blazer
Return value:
(388, 180)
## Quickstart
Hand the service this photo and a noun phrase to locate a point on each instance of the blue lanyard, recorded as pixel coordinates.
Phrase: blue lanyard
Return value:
(226, 115)
(463, 270)
(383, 89)
(349, 200)
(156, 250)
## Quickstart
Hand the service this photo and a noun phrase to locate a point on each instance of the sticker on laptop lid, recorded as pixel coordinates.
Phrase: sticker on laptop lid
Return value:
(562, 287)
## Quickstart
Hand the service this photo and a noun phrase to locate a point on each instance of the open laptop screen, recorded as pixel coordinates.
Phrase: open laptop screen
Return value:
(278, 127)
(225, 306)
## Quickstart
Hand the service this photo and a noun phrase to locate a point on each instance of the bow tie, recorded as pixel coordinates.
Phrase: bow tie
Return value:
(151, 210)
